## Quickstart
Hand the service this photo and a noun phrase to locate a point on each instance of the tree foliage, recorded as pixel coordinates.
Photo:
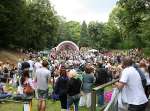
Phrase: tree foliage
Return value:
(68, 30)
(130, 16)
(35, 24)
(27, 25)
(84, 38)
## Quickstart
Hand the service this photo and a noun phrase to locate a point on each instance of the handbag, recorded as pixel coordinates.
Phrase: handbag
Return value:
(28, 89)
(54, 96)
(122, 100)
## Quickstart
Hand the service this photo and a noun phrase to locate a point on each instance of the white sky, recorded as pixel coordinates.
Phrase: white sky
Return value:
(88, 10)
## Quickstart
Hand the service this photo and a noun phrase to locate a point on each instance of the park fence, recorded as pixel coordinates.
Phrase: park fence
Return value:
(112, 105)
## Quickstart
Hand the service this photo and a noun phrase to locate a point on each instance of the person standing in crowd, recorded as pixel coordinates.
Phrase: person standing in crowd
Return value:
(88, 81)
(6, 66)
(6, 69)
(12, 70)
(37, 64)
(42, 77)
(19, 66)
(61, 88)
(1, 68)
(73, 90)
(101, 78)
(149, 66)
(130, 78)
(31, 62)
(24, 66)
(144, 69)
(25, 81)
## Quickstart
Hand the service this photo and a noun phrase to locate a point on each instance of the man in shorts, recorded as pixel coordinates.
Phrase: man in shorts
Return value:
(42, 76)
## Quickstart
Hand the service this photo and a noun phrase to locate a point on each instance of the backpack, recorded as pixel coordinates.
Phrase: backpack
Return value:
(143, 78)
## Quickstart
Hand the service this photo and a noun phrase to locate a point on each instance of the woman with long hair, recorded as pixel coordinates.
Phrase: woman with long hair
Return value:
(61, 88)
(26, 81)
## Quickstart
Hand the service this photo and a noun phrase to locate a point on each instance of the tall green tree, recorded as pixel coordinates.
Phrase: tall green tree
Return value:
(27, 24)
(128, 17)
(84, 39)
(69, 31)
(43, 22)
(96, 35)
(10, 21)
(74, 29)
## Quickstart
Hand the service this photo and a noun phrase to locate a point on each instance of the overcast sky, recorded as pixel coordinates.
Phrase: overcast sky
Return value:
(88, 10)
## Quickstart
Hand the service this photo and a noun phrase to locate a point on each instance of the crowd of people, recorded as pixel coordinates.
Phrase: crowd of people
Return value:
(74, 74)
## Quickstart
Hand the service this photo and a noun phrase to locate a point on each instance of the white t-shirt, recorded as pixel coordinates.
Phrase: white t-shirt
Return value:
(19, 65)
(37, 65)
(134, 89)
(31, 64)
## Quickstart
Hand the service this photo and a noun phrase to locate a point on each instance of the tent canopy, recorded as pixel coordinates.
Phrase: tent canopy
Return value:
(92, 50)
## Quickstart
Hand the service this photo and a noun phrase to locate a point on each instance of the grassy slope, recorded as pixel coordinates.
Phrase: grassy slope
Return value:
(10, 56)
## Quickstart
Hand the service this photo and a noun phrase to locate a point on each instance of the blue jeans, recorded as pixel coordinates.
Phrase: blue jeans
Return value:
(101, 100)
(100, 97)
(73, 100)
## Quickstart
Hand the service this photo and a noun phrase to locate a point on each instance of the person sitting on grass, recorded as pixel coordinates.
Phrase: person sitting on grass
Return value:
(3, 93)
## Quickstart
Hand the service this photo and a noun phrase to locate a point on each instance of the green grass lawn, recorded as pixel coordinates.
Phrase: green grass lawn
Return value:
(51, 106)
